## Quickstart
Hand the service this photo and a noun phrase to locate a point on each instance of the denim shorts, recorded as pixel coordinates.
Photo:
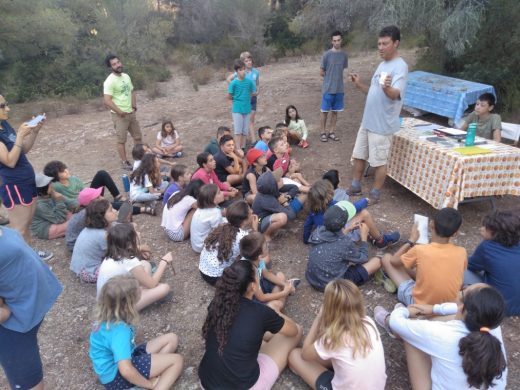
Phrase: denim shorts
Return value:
(332, 102)
(404, 292)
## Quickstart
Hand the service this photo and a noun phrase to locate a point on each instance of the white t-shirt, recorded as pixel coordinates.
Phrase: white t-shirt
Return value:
(169, 140)
(136, 189)
(137, 164)
(173, 218)
(202, 223)
(210, 265)
(110, 268)
(440, 340)
(358, 373)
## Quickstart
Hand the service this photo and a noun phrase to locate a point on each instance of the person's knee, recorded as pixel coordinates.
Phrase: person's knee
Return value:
(376, 262)
(163, 289)
(173, 340)
(385, 260)
(295, 357)
(281, 275)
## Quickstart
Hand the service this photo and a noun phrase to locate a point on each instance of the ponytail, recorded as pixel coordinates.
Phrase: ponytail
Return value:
(223, 309)
(482, 356)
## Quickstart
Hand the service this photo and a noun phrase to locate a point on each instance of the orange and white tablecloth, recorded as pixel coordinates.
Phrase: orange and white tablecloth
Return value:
(443, 177)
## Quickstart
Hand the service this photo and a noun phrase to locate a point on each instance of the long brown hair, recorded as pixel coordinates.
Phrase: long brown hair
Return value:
(320, 194)
(344, 316)
(149, 168)
(164, 134)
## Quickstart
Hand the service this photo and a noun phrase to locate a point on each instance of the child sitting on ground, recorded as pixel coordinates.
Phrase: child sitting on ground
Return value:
(339, 193)
(138, 152)
(334, 253)
(274, 209)
(496, 259)
(257, 166)
(430, 273)
(321, 197)
(145, 181)
(122, 258)
(177, 214)
(206, 173)
(296, 126)
(265, 133)
(51, 216)
(168, 143)
(282, 131)
(295, 177)
(213, 146)
(273, 289)
(207, 216)
(91, 245)
(180, 177)
(118, 363)
(221, 247)
(280, 157)
(229, 166)
(342, 335)
(489, 125)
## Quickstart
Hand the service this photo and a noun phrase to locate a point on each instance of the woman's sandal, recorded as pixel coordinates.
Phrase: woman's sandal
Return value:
(333, 137)
(323, 137)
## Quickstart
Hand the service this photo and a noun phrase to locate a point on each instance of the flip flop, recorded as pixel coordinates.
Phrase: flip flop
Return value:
(333, 137)
(323, 137)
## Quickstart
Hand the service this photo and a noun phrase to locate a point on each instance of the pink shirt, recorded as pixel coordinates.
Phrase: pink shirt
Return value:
(361, 373)
(282, 162)
(210, 178)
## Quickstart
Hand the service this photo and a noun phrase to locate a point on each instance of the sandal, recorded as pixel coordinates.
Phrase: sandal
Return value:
(120, 198)
(333, 137)
(323, 137)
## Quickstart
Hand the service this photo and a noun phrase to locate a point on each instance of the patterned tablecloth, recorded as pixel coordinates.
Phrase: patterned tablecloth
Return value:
(442, 95)
(443, 177)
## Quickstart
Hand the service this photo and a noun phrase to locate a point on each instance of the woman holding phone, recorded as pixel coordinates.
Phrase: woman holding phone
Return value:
(18, 188)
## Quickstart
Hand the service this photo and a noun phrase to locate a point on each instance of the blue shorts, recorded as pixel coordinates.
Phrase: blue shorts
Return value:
(296, 205)
(253, 103)
(14, 194)
(141, 360)
(332, 102)
(20, 357)
(356, 274)
(404, 292)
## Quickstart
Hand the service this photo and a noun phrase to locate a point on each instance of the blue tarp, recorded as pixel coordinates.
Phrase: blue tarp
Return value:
(442, 95)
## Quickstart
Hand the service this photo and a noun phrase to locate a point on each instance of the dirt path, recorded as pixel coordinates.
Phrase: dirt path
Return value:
(85, 142)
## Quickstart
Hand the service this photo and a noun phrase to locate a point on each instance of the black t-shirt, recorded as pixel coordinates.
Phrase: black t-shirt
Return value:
(246, 187)
(223, 162)
(237, 367)
(270, 161)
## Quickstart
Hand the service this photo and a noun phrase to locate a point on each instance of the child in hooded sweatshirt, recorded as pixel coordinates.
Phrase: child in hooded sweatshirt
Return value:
(335, 255)
(274, 209)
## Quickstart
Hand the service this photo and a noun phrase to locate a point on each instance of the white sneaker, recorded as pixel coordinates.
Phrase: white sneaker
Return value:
(44, 256)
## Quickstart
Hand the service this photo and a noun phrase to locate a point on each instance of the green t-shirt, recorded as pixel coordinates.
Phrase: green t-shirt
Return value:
(241, 91)
(485, 127)
(70, 192)
(120, 88)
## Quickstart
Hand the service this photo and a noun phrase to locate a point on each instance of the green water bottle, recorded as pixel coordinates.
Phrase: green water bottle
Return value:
(470, 135)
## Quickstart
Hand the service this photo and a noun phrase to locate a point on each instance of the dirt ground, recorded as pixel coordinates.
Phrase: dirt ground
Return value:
(86, 143)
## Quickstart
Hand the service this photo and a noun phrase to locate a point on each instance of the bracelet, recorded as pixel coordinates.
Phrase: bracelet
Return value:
(164, 261)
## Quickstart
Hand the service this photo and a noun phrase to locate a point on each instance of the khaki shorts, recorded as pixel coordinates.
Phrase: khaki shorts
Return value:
(372, 147)
(127, 124)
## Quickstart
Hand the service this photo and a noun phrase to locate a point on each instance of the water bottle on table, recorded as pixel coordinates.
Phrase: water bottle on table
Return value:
(470, 135)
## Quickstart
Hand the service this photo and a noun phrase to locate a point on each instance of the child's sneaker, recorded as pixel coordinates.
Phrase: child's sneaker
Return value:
(178, 154)
(126, 165)
(380, 315)
(44, 256)
(381, 278)
(386, 240)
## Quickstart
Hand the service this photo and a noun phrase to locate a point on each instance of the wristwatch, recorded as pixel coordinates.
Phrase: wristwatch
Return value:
(411, 243)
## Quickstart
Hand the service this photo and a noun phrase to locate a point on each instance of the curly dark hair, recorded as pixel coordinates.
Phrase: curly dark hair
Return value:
(482, 357)
(505, 227)
(223, 309)
(122, 242)
(95, 216)
(147, 167)
(192, 189)
(223, 236)
(53, 169)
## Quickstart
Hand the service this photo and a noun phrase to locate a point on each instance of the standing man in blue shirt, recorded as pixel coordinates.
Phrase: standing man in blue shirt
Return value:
(333, 62)
(381, 115)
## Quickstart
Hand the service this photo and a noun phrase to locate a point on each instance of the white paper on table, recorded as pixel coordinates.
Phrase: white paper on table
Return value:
(422, 226)
(452, 131)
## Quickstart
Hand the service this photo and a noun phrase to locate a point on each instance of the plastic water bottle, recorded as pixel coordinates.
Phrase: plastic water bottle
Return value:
(126, 183)
(470, 135)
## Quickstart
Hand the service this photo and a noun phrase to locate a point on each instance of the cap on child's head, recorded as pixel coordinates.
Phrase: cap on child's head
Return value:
(349, 208)
(253, 155)
(87, 195)
(42, 180)
(335, 218)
